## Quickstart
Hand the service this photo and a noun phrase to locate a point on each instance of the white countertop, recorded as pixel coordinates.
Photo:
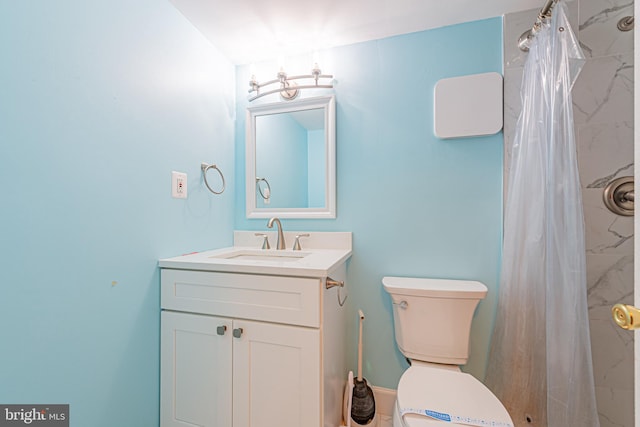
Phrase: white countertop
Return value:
(314, 260)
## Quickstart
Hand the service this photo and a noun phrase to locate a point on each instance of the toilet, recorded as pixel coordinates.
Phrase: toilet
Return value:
(432, 322)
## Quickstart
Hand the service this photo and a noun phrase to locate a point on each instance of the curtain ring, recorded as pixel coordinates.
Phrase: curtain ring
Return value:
(205, 167)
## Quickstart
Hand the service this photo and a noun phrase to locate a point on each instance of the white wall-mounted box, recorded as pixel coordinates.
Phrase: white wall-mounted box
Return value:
(468, 106)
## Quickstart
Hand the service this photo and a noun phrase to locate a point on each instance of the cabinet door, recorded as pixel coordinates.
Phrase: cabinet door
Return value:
(276, 375)
(195, 372)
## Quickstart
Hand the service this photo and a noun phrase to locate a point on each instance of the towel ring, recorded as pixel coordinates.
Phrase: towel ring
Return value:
(260, 188)
(205, 167)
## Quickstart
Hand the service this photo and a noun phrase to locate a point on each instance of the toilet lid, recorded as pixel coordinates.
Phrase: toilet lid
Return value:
(447, 393)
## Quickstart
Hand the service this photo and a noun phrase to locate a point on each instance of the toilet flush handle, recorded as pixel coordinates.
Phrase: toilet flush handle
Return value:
(402, 304)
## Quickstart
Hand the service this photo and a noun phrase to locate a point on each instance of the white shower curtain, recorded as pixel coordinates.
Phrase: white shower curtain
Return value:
(540, 360)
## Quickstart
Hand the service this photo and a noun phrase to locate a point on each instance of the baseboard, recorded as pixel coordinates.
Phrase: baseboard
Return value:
(385, 400)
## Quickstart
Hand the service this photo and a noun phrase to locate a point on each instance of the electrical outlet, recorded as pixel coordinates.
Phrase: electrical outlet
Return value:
(178, 185)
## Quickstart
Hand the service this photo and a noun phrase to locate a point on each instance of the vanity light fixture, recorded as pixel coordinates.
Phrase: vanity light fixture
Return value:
(286, 85)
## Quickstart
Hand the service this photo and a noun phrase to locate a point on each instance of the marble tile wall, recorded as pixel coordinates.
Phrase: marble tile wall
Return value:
(603, 109)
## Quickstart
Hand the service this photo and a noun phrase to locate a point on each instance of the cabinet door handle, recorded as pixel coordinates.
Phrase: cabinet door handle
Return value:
(237, 333)
(221, 329)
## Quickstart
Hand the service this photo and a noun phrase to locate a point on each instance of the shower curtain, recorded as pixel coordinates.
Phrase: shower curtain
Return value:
(540, 359)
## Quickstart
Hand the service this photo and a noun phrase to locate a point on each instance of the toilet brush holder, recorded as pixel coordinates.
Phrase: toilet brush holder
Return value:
(372, 423)
(346, 411)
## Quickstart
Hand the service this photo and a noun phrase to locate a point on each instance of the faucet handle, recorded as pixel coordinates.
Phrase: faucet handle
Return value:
(296, 245)
(265, 242)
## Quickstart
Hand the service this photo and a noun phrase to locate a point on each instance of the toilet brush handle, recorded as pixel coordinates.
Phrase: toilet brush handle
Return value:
(361, 314)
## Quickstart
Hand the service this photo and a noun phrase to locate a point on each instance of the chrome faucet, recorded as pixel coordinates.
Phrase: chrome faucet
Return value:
(280, 244)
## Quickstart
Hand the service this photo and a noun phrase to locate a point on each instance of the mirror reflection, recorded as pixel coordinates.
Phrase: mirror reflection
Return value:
(290, 160)
(290, 167)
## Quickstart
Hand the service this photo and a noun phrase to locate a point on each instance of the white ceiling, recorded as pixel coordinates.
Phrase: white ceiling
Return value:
(249, 31)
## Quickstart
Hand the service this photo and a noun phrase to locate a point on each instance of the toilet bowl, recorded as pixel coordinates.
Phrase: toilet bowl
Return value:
(432, 323)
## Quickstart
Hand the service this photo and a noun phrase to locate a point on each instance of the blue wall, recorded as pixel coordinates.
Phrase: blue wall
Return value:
(99, 102)
(317, 171)
(417, 205)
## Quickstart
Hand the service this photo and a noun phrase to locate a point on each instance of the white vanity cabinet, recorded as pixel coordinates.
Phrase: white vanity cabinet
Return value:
(196, 374)
(251, 350)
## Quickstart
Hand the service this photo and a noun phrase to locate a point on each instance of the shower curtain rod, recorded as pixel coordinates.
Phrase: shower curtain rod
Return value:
(545, 13)
(546, 9)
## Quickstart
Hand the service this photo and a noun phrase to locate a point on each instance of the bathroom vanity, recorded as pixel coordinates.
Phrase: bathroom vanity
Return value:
(253, 337)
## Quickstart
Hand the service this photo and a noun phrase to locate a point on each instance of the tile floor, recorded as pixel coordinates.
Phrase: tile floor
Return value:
(385, 421)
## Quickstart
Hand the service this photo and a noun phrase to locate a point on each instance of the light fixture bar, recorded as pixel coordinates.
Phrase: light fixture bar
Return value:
(289, 89)
(284, 89)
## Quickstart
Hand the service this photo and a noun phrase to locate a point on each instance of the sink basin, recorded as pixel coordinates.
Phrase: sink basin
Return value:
(263, 255)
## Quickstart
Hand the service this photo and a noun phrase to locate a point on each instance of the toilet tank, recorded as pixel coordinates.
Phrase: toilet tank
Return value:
(432, 317)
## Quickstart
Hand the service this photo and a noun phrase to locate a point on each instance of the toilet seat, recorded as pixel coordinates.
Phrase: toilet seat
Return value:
(450, 392)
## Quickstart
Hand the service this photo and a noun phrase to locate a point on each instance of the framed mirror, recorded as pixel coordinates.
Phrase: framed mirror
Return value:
(291, 159)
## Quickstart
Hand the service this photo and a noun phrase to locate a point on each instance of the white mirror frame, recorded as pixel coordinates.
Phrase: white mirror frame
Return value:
(329, 210)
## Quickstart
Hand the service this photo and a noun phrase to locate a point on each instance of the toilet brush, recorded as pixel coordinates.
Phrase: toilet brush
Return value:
(363, 404)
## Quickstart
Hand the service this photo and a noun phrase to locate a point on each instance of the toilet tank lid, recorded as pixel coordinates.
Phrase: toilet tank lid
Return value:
(435, 288)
